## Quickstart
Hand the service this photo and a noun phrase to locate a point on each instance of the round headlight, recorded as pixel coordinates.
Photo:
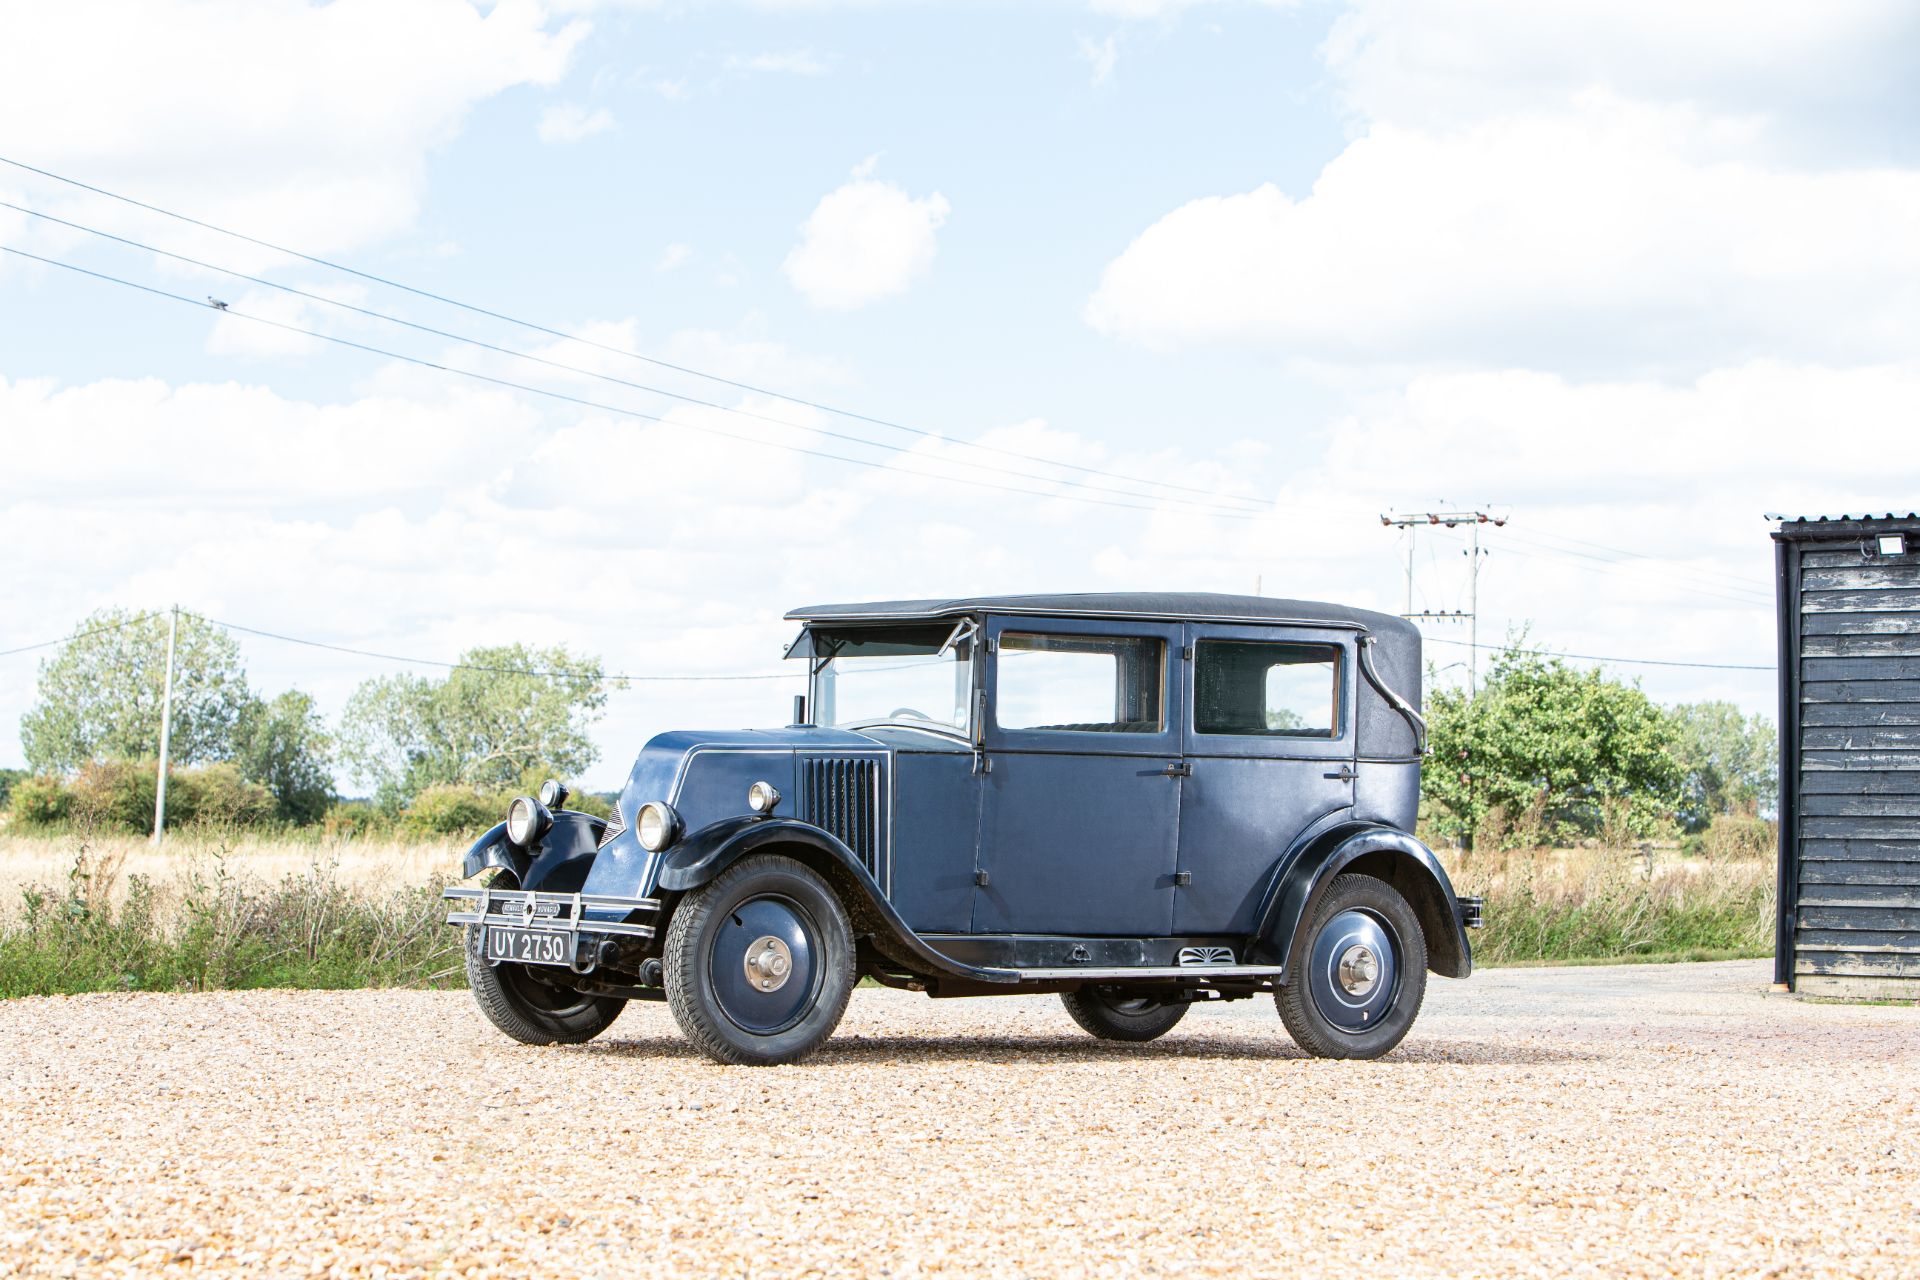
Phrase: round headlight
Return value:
(527, 820)
(762, 796)
(554, 793)
(656, 826)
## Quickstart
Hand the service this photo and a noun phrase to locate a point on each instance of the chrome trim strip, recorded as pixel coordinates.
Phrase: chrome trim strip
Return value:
(577, 903)
(1195, 971)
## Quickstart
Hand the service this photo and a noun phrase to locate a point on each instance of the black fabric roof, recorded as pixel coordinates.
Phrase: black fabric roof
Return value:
(1175, 605)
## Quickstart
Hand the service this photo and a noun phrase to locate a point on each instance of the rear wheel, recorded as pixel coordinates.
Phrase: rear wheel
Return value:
(530, 1009)
(1357, 972)
(1114, 1013)
(759, 963)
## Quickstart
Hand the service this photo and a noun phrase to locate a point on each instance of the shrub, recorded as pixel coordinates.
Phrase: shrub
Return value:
(40, 802)
(217, 795)
(356, 820)
(1737, 837)
(450, 811)
(117, 795)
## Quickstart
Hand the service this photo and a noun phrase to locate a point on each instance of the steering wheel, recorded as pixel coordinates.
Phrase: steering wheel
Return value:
(908, 713)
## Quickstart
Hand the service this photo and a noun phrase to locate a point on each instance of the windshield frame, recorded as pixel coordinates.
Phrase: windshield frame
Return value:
(964, 632)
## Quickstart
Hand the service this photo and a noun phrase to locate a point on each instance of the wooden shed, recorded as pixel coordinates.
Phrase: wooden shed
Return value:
(1849, 601)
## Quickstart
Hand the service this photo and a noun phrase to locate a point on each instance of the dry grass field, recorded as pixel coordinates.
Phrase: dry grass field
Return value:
(27, 861)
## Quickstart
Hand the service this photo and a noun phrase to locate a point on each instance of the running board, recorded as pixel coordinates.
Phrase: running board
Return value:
(1195, 971)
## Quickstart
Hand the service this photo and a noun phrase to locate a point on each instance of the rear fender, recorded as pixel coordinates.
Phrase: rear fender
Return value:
(1386, 854)
(557, 862)
(701, 856)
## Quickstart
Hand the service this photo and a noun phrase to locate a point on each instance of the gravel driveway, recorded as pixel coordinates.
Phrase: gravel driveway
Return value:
(1639, 1120)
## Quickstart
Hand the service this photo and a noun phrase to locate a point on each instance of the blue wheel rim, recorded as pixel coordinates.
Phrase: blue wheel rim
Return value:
(743, 932)
(1354, 971)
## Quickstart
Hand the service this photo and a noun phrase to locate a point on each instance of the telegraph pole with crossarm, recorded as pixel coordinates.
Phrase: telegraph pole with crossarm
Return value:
(1412, 521)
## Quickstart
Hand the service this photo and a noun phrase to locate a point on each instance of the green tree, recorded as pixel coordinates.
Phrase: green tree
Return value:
(1577, 748)
(99, 695)
(504, 711)
(1728, 760)
(284, 746)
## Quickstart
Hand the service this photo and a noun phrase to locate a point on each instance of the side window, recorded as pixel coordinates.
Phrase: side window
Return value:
(1082, 684)
(1260, 689)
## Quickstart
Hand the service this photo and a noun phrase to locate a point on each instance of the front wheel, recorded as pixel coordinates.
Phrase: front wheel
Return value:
(1356, 973)
(1112, 1014)
(759, 963)
(530, 1010)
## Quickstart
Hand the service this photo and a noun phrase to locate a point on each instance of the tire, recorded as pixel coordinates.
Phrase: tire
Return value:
(1110, 1013)
(779, 914)
(532, 1011)
(1356, 973)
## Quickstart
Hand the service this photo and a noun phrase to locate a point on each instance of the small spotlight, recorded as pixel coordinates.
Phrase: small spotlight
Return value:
(1892, 544)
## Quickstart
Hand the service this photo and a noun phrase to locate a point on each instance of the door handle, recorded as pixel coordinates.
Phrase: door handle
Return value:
(1346, 774)
(1179, 769)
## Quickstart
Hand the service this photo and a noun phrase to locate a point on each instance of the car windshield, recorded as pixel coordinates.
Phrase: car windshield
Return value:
(903, 675)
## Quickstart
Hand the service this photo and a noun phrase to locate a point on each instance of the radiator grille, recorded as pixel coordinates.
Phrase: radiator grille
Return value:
(615, 826)
(842, 795)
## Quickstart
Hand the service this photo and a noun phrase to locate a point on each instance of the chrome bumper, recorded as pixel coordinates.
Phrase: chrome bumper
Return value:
(1472, 912)
(550, 912)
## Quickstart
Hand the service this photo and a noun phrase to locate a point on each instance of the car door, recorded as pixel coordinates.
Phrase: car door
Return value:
(1269, 744)
(1081, 741)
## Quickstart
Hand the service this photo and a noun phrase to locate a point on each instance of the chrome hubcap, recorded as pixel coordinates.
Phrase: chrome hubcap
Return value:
(768, 963)
(1359, 970)
(1353, 970)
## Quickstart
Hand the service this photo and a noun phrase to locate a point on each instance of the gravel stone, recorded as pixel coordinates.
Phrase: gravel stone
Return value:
(1609, 1122)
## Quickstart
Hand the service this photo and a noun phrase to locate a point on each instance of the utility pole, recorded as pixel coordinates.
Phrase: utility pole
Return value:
(1411, 521)
(166, 728)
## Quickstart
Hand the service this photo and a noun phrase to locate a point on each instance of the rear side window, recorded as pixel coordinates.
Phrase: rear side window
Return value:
(1080, 684)
(1267, 690)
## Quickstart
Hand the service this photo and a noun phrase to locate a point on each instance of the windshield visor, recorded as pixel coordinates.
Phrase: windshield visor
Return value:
(918, 675)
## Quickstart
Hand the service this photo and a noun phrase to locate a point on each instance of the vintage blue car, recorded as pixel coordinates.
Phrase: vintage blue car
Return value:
(1138, 801)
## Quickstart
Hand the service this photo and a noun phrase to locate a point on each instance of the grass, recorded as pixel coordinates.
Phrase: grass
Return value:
(212, 910)
(1610, 906)
(212, 915)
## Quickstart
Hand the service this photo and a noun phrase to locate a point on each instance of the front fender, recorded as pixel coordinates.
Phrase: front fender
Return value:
(701, 856)
(557, 862)
(1393, 856)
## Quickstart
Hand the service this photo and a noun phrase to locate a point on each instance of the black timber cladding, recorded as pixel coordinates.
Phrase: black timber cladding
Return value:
(1849, 619)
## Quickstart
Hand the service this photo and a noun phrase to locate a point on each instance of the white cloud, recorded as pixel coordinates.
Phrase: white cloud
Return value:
(184, 492)
(674, 256)
(864, 241)
(1611, 234)
(1443, 63)
(1594, 186)
(570, 122)
(1101, 55)
(203, 105)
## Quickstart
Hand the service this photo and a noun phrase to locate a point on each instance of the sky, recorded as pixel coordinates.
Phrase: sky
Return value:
(1063, 295)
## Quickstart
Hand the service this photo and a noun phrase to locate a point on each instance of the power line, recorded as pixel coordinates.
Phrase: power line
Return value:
(78, 635)
(471, 666)
(596, 404)
(1714, 581)
(1591, 657)
(613, 350)
(607, 377)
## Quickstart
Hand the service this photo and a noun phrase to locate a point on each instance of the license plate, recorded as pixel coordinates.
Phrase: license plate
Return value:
(526, 947)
